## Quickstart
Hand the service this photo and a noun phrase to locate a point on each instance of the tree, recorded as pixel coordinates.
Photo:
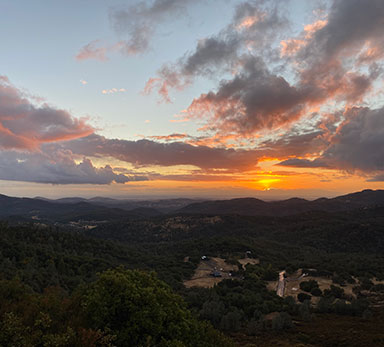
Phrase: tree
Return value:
(305, 311)
(12, 331)
(143, 311)
(334, 291)
(213, 311)
(307, 286)
(231, 322)
(324, 305)
(316, 291)
(282, 321)
(302, 297)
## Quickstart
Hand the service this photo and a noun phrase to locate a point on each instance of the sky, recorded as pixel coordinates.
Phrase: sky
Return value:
(191, 98)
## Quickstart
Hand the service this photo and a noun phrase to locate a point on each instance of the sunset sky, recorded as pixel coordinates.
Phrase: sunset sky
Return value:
(191, 98)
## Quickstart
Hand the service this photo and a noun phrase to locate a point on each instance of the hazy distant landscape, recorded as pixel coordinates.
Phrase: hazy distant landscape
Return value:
(74, 209)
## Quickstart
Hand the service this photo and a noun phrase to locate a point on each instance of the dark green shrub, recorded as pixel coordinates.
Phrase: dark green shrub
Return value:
(302, 297)
(316, 292)
(307, 286)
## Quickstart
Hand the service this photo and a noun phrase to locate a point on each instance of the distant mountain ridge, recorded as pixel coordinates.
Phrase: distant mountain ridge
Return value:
(257, 207)
(162, 205)
(98, 208)
(67, 210)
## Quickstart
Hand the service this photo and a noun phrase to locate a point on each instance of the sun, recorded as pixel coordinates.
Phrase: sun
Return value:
(267, 183)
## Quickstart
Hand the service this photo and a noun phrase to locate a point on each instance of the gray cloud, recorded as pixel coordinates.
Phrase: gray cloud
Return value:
(329, 60)
(378, 178)
(293, 143)
(356, 146)
(350, 24)
(139, 21)
(254, 99)
(255, 25)
(359, 142)
(137, 24)
(56, 167)
(146, 153)
(296, 162)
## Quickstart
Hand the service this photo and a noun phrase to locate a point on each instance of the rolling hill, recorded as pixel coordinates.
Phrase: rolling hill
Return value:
(256, 207)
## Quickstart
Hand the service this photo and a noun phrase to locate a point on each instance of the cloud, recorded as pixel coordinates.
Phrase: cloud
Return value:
(295, 143)
(296, 162)
(272, 82)
(359, 141)
(113, 91)
(28, 150)
(171, 137)
(378, 178)
(149, 153)
(138, 23)
(330, 59)
(57, 167)
(93, 50)
(255, 24)
(349, 25)
(291, 46)
(179, 120)
(256, 99)
(356, 146)
(253, 100)
(24, 125)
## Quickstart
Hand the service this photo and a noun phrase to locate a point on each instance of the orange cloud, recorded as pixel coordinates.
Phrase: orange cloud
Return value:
(290, 47)
(170, 137)
(180, 120)
(249, 21)
(24, 125)
(310, 29)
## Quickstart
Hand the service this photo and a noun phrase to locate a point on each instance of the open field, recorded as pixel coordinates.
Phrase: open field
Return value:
(203, 274)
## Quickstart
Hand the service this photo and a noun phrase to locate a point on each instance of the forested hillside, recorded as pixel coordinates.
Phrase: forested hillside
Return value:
(76, 286)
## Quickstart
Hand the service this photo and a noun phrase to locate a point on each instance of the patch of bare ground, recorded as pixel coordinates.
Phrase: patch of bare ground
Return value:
(247, 261)
(292, 285)
(376, 281)
(203, 276)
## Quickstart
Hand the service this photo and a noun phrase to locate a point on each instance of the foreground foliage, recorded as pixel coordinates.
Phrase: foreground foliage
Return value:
(121, 308)
(51, 294)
